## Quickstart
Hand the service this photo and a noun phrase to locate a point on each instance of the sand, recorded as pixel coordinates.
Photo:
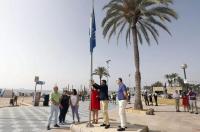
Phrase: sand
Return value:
(5, 102)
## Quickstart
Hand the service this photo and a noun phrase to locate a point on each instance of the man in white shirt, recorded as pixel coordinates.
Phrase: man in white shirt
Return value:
(176, 96)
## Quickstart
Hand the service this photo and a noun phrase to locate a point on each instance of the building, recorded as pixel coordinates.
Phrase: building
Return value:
(170, 90)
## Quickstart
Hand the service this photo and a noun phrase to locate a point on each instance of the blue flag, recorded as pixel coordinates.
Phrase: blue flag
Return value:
(92, 32)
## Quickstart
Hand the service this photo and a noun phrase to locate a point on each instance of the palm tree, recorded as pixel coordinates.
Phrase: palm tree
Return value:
(139, 18)
(169, 79)
(157, 84)
(172, 78)
(101, 71)
(180, 81)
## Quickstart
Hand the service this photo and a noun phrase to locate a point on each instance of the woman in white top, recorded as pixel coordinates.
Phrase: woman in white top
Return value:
(74, 102)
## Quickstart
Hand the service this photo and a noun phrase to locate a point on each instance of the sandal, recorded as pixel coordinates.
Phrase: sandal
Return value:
(96, 122)
(93, 122)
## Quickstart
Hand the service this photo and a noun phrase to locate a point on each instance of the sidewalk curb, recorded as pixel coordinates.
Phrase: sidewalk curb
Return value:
(83, 128)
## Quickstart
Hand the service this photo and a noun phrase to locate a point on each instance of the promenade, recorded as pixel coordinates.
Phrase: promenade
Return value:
(164, 120)
(26, 118)
(34, 119)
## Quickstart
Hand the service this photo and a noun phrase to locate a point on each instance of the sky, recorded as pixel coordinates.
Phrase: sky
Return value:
(50, 39)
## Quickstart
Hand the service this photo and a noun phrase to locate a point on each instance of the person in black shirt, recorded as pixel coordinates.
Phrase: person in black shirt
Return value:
(146, 98)
(150, 99)
(104, 99)
(155, 98)
(64, 105)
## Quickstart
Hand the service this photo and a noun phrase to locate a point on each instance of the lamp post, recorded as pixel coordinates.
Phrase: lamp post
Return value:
(129, 75)
(184, 66)
(131, 89)
(36, 82)
(107, 62)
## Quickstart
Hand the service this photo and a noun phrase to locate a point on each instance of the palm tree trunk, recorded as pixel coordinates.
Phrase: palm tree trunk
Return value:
(138, 101)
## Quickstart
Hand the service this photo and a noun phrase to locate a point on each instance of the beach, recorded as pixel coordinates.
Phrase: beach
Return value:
(5, 102)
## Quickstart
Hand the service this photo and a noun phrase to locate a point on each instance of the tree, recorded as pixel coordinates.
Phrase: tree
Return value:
(169, 80)
(172, 79)
(157, 84)
(101, 71)
(139, 18)
(180, 81)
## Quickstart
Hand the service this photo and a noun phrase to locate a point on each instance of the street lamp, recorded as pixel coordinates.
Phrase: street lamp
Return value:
(107, 62)
(184, 66)
(129, 75)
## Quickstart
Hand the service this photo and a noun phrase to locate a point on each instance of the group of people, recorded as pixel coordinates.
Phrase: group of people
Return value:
(62, 103)
(99, 101)
(189, 101)
(113, 96)
(148, 98)
(99, 95)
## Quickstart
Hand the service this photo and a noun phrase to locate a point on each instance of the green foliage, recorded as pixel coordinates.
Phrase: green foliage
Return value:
(174, 79)
(143, 15)
(157, 84)
(101, 71)
(138, 19)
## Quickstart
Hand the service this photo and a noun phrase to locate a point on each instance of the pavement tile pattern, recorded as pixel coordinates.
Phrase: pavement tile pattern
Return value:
(33, 119)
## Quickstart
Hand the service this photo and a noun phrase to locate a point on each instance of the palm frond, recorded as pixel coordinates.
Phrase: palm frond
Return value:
(144, 15)
(152, 30)
(139, 36)
(101, 71)
(109, 16)
(164, 11)
(128, 36)
(109, 24)
(155, 22)
(114, 28)
(120, 31)
(145, 33)
(152, 33)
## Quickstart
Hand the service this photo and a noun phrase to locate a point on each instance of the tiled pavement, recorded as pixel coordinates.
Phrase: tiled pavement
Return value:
(33, 119)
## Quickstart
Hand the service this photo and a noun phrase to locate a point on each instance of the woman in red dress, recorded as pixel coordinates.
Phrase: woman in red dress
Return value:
(95, 105)
(185, 102)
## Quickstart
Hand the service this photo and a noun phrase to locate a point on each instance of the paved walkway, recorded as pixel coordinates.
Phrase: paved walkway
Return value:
(23, 119)
(34, 119)
(164, 120)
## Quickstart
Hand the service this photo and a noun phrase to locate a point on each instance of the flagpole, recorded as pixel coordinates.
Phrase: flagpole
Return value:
(91, 78)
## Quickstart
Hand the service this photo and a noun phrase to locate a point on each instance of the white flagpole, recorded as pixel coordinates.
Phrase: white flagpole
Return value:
(91, 78)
